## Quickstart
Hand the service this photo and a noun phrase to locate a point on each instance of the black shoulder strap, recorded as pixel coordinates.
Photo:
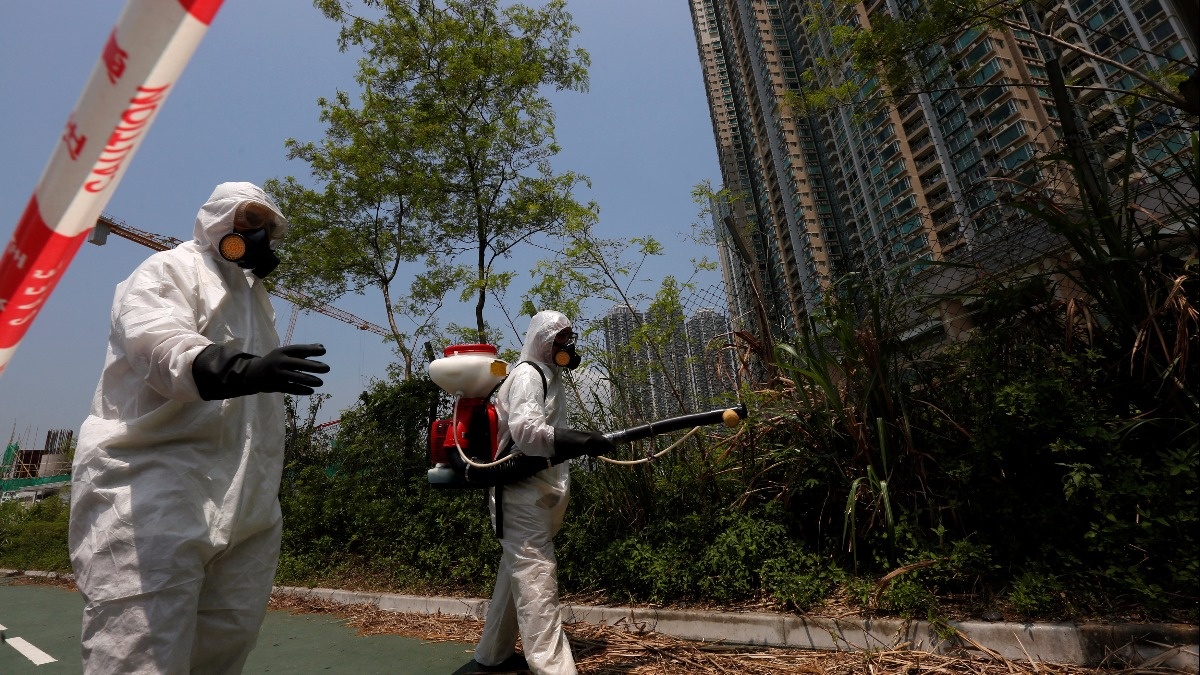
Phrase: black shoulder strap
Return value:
(535, 367)
(504, 452)
(540, 374)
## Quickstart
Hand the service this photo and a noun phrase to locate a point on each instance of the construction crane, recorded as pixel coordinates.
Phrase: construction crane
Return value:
(106, 225)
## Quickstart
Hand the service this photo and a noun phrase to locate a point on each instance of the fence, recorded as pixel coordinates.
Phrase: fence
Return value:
(675, 357)
(23, 469)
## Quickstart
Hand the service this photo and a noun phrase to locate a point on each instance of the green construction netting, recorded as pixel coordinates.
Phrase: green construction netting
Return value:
(10, 484)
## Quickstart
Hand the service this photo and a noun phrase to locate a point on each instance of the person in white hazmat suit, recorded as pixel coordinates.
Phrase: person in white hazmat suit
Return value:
(531, 411)
(175, 522)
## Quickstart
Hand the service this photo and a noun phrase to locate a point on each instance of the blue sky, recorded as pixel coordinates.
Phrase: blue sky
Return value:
(642, 134)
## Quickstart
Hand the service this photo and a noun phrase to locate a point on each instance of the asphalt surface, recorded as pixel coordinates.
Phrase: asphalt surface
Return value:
(41, 629)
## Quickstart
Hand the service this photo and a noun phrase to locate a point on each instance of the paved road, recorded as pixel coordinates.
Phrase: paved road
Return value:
(42, 622)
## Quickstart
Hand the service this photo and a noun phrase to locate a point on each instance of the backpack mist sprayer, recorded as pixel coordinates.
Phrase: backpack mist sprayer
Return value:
(471, 373)
(463, 450)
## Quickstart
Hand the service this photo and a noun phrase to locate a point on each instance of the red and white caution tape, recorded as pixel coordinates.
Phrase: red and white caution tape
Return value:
(145, 53)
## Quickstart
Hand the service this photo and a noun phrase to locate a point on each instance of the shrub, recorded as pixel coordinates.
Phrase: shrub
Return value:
(799, 580)
(34, 537)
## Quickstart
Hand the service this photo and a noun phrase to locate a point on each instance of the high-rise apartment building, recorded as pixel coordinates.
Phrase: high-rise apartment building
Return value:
(1144, 36)
(679, 373)
(880, 182)
(629, 361)
(707, 334)
(670, 382)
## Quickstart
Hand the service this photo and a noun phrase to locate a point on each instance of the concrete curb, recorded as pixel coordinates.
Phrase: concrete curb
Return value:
(1145, 645)
(35, 573)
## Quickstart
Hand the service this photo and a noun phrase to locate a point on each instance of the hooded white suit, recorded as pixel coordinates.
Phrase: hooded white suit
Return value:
(526, 594)
(175, 521)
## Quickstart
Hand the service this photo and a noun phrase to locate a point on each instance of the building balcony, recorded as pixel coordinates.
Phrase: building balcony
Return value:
(916, 126)
(937, 199)
(1082, 68)
(950, 250)
(1000, 115)
(933, 181)
(992, 96)
(944, 221)
(1110, 133)
(909, 111)
(916, 146)
(1055, 13)
(1114, 160)
(925, 160)
(1010, 136)
(1087, 96)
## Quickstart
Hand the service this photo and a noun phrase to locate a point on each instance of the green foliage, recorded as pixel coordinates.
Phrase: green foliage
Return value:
(364, 503)
(851, 375)
(443, 159)
(716, 555)
(1138, 300)
(909, 598)
(737, 554)
(1006, 450)
(1047, 459)
(1036, 594)
(34, 536)
(799, 580)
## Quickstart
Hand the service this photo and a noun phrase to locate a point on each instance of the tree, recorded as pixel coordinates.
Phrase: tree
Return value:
(443, 160)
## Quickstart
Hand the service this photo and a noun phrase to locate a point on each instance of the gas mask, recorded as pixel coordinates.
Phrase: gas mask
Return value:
(249, 245)
(564, 353)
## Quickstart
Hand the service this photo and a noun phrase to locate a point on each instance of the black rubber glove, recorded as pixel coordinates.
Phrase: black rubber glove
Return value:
(572, 443)
(221, 372)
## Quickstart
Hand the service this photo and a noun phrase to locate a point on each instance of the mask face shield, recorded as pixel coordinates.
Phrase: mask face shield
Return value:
(249, 245)
(564, 350)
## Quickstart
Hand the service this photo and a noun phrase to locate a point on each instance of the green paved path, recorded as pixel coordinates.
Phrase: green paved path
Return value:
(47, 618)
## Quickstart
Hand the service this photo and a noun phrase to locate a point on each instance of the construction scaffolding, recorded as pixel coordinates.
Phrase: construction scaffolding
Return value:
(34, 471)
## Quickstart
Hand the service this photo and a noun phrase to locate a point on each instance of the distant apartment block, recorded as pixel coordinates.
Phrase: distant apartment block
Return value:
(685, 370)
(629, 361)
(710, 365)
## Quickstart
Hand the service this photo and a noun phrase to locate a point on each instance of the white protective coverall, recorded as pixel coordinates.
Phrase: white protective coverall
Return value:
(175, 521)
(526, 594)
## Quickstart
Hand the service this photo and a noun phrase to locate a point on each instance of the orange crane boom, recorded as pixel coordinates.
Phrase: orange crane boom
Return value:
(106, 225)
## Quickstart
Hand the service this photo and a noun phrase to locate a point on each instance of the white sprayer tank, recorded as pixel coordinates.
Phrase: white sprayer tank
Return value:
(470, 370)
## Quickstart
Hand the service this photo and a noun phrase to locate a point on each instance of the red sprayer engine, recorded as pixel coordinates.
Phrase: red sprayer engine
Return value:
(463, 449)
(469, 373)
